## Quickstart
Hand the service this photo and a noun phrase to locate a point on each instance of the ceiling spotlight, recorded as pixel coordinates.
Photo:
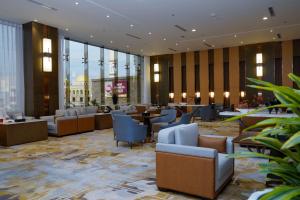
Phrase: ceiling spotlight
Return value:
(35, 20)
(265, 18)
(66, 29)
(274, 38)
(203, 40)
(127, 46)
(271, 30)
(188, 49)
(91, 36)
(142, 50)
(165, 39)
(111, 41)
(76, 3)
(235, 35)
(176, 44)
(194, 30)
(131, 25)
(107, 16)
(242, 42)
(149, 33)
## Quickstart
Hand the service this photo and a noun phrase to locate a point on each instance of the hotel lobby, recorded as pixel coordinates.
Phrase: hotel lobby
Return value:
(139, 99)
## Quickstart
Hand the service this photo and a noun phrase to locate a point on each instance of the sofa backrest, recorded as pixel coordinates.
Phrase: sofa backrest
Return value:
(187, 135)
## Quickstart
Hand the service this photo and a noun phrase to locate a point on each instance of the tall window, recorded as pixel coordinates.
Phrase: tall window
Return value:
(11, 68)
(93, 74)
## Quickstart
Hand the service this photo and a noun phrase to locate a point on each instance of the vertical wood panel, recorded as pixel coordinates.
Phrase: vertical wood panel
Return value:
(177, 77)
(190, 77)
(287, 62)
(218, 76)
(234, 75)
(204, 76)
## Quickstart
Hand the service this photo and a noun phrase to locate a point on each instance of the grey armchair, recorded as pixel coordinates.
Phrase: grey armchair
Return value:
(170, 116)
(128, 130)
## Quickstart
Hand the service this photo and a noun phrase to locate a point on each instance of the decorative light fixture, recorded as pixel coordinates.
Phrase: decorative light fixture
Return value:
(156, 78)
(243, 94)
(184, 95)
(197, 94)
(259, 67)
(226, 94)
(156, 67)
(47, 59)
(171, 95)
(211, 94)
(259, 94)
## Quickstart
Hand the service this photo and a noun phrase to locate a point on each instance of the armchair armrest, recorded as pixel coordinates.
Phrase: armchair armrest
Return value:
(187, 150)
(229, 143)
(48, 118)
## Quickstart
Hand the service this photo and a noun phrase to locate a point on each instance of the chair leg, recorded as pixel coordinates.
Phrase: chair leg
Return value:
(130, 145)
(117, 143)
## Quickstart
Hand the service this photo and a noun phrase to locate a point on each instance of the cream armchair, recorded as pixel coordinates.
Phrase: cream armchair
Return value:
(183, 166)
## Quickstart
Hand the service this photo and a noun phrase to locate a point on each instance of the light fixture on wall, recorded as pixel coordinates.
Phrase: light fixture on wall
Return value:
(184, 95)
(156, 78)
(156, 72)
(197, 98)
(243, 94)
(156, 67)
(259, 67)
(212, 94)
(226, 94)
(47, 51)
(259, 94)
(197, 94)
(171, 95)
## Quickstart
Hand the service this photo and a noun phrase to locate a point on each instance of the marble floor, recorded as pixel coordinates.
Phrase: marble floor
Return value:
(89, 166)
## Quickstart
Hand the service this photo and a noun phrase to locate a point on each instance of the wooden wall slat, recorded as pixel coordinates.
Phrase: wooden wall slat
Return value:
(177, 77)
(234, 76)
(204, 84)
(190, 77)
(218, 76)
(287, 62)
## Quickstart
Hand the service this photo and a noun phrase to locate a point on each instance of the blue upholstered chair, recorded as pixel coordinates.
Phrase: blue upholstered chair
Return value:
(113, 114)
(128, 130)
(185, 119)
(170, 116)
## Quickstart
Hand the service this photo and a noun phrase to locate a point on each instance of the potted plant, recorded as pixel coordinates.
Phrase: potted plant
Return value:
(287, 167)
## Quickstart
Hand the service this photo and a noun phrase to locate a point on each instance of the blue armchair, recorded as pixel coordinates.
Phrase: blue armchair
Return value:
(113, 114)
(185, 119)
(128, 130)
(170, 116)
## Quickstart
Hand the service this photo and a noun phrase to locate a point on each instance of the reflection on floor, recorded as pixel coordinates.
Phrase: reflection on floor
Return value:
(90, 166)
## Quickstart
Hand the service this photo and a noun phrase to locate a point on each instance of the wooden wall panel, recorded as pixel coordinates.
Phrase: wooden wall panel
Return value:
(234, 75)
(190, 77)
(177, 77)
(204, 84)
(218, 76)
(287, 62)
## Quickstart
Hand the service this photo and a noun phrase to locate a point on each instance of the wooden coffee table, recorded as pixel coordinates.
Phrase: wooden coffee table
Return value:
(13, 133)
(251, 145)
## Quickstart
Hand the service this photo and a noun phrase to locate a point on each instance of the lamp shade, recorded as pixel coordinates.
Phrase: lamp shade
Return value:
(47, 45)
(156, 67)
(156, 78)
(47, 64)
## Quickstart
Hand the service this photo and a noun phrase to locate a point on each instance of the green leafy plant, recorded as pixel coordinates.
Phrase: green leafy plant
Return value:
(282, 135)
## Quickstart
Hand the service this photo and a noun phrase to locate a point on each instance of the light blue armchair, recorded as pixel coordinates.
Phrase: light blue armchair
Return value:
(113, 114)
(170, 116)
(128, 130)
(185, 119)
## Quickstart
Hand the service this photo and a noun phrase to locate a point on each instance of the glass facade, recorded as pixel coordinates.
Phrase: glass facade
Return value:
(93, 75)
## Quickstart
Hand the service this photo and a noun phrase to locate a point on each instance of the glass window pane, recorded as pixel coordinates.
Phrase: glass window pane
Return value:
(109, 74)
(133, 79)
(122, 80)
(94, 75)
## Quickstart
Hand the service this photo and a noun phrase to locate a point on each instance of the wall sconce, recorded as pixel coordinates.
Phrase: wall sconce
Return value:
(156, 78)
(197, 94)
(171, 95)
(226, 94)
(47, 50)
(211, 94)
(259, 67)
(156, 67)
(259, 94)
(184, 95)
(243, 94)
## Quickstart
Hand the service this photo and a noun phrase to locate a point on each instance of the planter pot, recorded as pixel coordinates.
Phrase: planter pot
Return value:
(258, 194)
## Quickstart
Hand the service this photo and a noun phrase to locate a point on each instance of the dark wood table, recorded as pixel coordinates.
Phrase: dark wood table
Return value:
(146, 120)
(251, 145)
(103, 121)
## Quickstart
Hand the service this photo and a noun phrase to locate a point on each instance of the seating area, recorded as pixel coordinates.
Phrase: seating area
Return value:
(157, 100)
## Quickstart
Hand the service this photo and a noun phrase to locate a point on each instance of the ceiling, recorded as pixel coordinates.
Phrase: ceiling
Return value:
(218, 23)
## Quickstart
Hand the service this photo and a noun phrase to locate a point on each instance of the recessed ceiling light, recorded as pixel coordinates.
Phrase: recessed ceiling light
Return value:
(242, 42)
(111, 41)
(194, 30)
(271, 30)
(165, 39)
(213, 14)
(203, 40)
(76, 3)
(176, 44)
(91, 36)
(107, 16)
(274, 38)
(127, 46)
(131, 25)
(212, 45)
(35, 20)
(66, 29)
(142, 50)
(265, 18)
(235, 35)
(149, 33)
(188, 49)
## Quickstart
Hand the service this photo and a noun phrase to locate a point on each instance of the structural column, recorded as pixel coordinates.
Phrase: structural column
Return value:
(287, 62)
(177, 77)
(204, 80)
(190, 77)
(234, 76)
(218, 76)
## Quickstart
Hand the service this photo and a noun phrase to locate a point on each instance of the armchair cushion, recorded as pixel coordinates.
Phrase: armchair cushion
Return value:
(187, 135)
(218, 143)
(167, 135)
(186, 150)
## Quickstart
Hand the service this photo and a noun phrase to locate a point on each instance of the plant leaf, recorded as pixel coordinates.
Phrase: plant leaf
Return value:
(292, 141)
